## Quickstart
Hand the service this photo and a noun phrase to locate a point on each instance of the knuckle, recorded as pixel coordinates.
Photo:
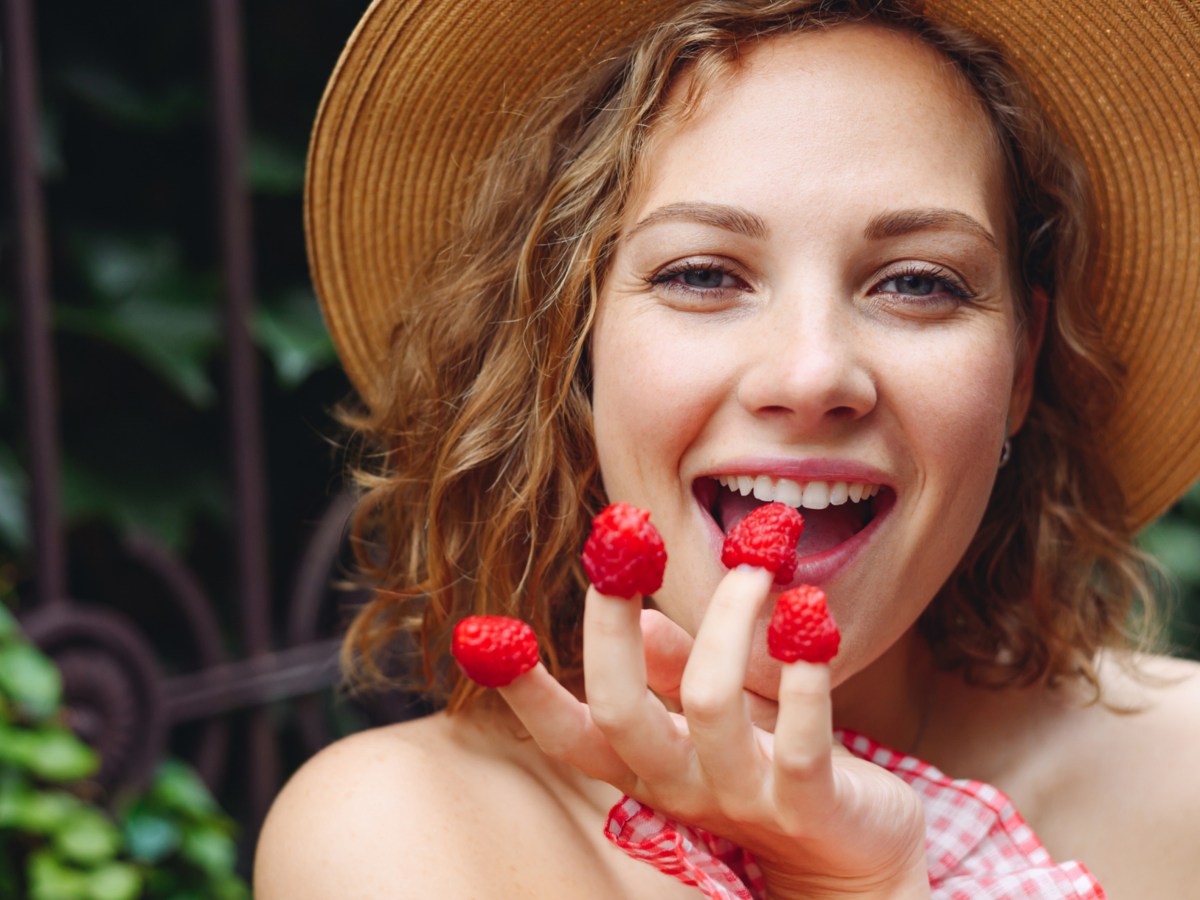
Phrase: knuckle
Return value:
(798, 764)
(560, 744)
(691, 808)
(704, 701)
(612, 715)
(738, 806)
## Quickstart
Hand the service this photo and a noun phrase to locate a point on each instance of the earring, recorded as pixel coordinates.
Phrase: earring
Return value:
(1005, 453)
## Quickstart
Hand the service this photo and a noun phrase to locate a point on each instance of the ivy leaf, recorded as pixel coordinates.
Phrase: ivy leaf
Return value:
(52, 879)
(210, 849)
(178, 789)
(149, 836)
(116, 98)
(15, 749)
(115, 881)
(14, 802)
(117, 266)
(14, 527)
(273, 167)
(30, 679)
(9, 629)
(175, 342)
(231, 888)
(1176, 544)
(151, 307)
(153, 501)
(292, 332)
(61, 756)
(43, 812)
(87, 838)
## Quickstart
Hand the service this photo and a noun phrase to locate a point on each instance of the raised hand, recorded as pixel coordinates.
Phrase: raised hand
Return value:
(819, 821)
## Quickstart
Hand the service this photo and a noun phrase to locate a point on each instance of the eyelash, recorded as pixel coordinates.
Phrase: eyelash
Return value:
(949, 282)
(664, 278)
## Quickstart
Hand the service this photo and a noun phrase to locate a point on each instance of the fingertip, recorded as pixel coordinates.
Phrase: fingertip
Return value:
(532, 679)
(753, 578)
(803, 679)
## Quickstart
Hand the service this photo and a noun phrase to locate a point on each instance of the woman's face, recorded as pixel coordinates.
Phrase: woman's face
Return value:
(810, 295)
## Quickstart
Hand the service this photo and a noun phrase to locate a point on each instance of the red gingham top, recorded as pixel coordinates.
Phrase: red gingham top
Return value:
(977, 845)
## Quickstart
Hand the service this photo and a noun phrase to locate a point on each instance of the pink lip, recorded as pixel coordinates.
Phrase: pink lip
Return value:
(820, 568)
(816, 469)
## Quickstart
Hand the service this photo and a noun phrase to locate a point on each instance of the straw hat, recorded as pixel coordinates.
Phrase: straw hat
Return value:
(425, 89)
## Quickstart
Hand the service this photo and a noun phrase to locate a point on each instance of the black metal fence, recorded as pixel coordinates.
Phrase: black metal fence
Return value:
(126, 693)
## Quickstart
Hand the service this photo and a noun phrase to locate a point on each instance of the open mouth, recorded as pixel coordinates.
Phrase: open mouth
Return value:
(834, 511)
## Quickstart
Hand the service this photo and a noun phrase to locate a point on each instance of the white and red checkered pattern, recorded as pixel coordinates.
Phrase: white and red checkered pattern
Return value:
(977, 845)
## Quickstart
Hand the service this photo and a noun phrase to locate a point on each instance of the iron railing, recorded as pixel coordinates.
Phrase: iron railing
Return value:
(121, 695)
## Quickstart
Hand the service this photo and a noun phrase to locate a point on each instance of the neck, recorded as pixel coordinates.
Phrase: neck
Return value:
(890, 700)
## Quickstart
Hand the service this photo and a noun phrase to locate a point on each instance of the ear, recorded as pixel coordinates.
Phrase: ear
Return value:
(1027, 356)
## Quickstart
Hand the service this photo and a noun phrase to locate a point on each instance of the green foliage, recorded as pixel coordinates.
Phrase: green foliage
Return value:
(1174, 539)
(171, 842)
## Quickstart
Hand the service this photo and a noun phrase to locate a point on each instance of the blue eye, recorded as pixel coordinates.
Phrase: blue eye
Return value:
(699, 283)
(936, 283)
(917, 285)
(696, 277)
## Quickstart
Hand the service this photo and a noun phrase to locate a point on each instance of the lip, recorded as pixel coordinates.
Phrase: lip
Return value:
(820, 568)
(815, 469)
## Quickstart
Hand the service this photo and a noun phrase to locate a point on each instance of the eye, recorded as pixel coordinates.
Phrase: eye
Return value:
(926, 285)
(704, 278)
(693, 278)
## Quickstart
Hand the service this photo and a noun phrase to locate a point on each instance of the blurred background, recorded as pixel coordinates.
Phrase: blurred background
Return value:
(178, 404)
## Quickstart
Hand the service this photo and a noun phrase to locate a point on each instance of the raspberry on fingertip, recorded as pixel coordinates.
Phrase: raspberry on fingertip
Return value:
(802, 628)
(624, 555)
(494, 651)
(767, 539)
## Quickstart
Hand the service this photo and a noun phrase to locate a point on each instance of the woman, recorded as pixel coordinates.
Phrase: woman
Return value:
(830, 253)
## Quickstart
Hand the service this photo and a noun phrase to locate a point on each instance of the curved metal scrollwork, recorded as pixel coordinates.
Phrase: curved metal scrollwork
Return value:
(111, 685)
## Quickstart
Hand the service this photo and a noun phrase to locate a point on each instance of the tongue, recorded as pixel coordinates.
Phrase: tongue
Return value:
(824, 528)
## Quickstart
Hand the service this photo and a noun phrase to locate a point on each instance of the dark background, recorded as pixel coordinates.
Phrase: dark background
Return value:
(127, 162)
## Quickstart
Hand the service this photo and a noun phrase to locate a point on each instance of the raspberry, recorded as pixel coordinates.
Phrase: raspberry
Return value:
(494, 650)
(766, 538)
(624, 554)
(802, 628)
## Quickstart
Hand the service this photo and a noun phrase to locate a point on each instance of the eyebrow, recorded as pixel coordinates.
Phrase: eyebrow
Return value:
(906, 221)
(729, 218)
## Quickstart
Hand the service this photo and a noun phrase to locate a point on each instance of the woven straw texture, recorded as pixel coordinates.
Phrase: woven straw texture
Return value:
(426, 88)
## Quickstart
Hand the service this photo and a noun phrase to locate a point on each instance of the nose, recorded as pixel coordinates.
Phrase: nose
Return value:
(810, 370)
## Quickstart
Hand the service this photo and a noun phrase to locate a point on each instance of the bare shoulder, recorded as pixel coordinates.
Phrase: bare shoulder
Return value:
(1153, 707)
(1130, 782)
(460, 806)
(366, 817)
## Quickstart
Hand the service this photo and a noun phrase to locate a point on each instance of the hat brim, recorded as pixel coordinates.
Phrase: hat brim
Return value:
(425, 90)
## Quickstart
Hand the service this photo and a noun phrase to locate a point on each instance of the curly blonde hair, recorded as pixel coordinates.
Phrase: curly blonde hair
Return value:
(480, 475)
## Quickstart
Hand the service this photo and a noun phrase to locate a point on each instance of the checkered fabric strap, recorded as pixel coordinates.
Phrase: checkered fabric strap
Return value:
(977, 845)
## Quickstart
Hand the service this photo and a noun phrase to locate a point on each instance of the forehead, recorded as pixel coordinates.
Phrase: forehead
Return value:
(851, 114)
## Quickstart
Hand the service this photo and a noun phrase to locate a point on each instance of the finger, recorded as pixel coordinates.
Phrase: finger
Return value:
(666, 648)
(637, 725)
(803, 746)
(713, 694)
(563, 728)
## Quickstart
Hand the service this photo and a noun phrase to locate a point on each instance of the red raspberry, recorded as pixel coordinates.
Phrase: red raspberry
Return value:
(766, 538)
(802, 627)
(624, 554)
(494, 650)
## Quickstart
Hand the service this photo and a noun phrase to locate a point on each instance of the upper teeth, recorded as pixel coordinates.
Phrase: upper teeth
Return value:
(809, 495)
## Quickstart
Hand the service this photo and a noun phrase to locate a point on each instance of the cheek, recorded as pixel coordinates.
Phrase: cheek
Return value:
(955, 427)
(649, 399)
